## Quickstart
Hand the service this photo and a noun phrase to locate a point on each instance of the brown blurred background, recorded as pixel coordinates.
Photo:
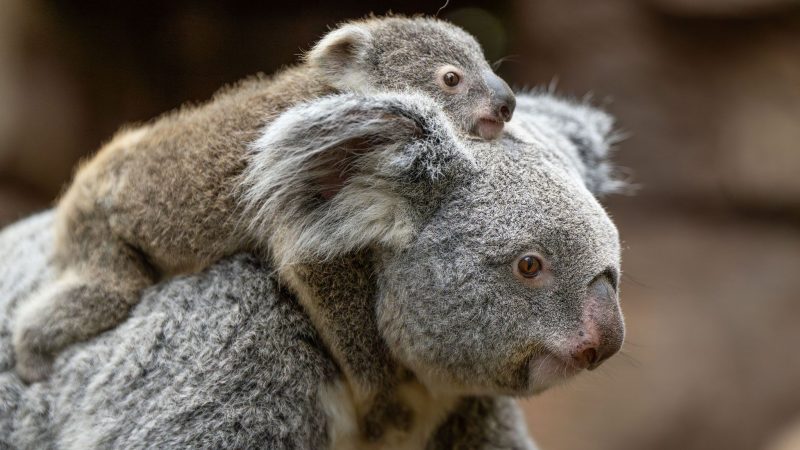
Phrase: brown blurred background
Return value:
(707, 90)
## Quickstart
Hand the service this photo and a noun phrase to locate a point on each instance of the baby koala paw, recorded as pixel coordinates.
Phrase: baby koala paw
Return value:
(31, 365)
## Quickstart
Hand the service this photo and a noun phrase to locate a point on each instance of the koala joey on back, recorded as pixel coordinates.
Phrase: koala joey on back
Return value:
(161, 199)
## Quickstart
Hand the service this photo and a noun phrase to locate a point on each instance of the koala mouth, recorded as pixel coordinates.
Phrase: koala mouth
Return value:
(547, 369)
(488, 127)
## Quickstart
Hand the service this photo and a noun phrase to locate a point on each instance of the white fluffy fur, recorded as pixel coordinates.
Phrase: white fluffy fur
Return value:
(337, 54)
(340, 408)
(281, 191)
(585, 133)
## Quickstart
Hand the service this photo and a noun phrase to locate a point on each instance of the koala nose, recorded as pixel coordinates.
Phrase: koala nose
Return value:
(503, 100)
(591, 355)
(504, 105)
(602, 328)
(506, 110)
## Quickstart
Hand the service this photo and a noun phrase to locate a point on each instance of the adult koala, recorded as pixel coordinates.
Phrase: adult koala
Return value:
(417, 281)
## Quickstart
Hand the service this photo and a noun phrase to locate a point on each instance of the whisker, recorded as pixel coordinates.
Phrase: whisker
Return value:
(552, 86)
(447, 2)
(630, 343)
(541, 362)
(627, 277)
(630, 359)
(511, 58)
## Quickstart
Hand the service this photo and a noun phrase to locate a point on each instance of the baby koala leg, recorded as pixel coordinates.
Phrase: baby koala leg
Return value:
(84, 301)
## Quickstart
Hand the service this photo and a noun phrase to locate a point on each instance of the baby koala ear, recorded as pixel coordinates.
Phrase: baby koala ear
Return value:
(339, 55)
(589, 134)
(348, 171)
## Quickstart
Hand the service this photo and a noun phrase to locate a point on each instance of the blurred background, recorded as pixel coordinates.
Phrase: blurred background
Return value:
(708, 92)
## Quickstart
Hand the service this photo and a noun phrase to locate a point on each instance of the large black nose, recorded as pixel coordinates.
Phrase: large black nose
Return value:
(503, 100)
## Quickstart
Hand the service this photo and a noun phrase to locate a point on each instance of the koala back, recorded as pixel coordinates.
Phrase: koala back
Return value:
(224, 358)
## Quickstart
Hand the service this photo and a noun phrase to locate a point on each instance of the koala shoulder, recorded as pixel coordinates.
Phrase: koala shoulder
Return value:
(249, 332)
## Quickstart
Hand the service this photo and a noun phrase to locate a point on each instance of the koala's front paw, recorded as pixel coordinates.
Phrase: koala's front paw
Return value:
(32, 366)
(34, 360)
(37, 335)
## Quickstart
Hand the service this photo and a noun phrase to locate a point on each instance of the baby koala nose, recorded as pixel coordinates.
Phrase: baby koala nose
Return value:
(507, 109)
(503, 100)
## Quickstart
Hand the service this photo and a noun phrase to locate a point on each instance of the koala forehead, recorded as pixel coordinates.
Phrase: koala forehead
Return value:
(525, 198)
(419, 42)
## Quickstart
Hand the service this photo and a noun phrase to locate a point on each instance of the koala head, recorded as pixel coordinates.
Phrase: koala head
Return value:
(418, 54)
(496, 268)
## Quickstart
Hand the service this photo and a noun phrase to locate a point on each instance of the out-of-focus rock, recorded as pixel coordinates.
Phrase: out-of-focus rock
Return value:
(15, 204)
(8, 43)
(723, 8)
(759, 133)
(712, 106)
(41, 113)
(787, 439)
(616, 51)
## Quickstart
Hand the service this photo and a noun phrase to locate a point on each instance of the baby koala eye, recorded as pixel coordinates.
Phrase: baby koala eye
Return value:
(529, 266)
(451, 79)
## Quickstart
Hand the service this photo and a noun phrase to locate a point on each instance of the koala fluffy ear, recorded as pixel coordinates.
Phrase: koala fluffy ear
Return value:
(348, 171)
(588, 132)
(339, 54)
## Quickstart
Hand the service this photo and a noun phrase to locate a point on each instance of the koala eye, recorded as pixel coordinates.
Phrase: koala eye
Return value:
(451, 79)
(529, 266)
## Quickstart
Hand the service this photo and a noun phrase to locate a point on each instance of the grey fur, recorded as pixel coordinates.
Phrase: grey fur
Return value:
(208, 361)
(433, 321)
(221, 359)
(589, 130)
(160, 199)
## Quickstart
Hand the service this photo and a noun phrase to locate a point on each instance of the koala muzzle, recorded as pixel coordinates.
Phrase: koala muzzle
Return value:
(602, 328)
(503, 100)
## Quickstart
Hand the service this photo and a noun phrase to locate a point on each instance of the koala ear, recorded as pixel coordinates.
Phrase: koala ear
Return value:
(347, 171)
(338, 55)
(588, 134)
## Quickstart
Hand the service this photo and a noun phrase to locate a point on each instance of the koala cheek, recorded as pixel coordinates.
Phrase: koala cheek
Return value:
(404, 329)
(389, 324)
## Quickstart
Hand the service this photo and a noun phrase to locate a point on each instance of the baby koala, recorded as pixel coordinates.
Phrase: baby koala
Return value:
(163, 198)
